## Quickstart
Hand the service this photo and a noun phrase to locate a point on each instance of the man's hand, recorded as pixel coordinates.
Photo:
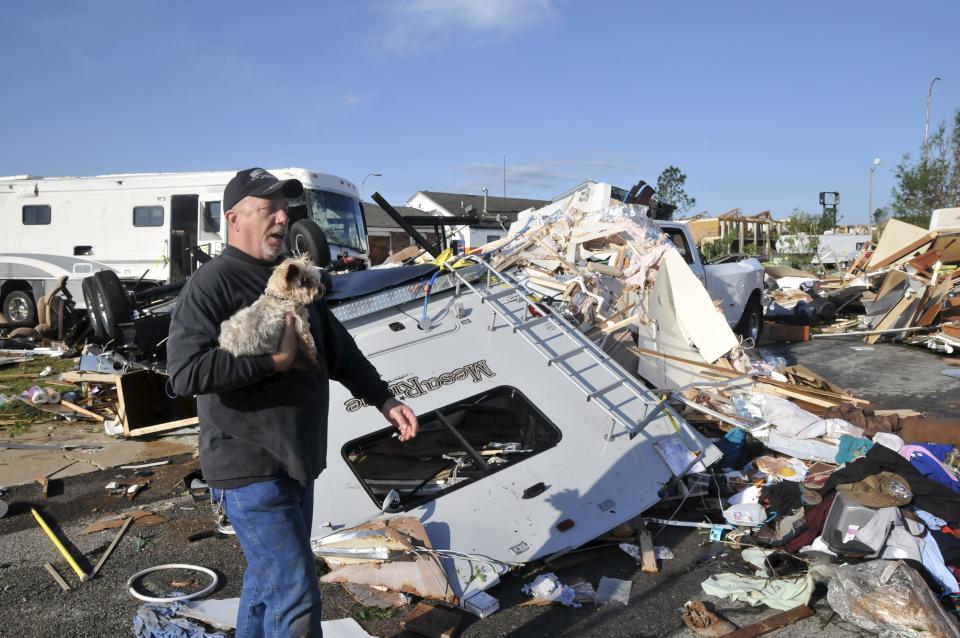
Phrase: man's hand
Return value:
(402, 418)
(284, 357)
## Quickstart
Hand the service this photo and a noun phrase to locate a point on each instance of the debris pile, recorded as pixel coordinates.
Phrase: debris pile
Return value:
(907, 288)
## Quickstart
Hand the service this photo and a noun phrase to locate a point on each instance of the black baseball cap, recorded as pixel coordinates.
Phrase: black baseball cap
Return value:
(256, 182)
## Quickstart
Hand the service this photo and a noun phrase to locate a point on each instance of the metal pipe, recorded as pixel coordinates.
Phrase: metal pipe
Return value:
(864, 333)
(397, 217)
(56, 541)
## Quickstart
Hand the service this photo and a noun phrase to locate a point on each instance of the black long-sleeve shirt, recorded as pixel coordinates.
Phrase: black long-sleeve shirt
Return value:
(256, 424)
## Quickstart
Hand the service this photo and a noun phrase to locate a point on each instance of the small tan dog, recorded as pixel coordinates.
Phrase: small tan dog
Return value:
(258, 328)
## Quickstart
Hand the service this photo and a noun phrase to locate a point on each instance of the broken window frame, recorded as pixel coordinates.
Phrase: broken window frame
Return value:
(36, 214)
(541, 421)
(150, 218)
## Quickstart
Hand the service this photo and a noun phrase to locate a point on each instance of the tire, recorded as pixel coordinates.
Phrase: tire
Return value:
(93, 311)
(307, 239)
(112, 303)
(751, 323)
(19, 307)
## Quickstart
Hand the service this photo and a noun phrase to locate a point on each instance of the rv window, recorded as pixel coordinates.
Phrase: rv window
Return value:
(211, 217)
(148, 215)
(36, 215)
(457, 445)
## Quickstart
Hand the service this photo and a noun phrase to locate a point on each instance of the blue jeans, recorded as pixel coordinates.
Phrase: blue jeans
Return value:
(281, 590)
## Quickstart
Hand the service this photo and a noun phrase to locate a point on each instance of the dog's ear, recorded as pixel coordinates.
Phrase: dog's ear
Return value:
(293, 272)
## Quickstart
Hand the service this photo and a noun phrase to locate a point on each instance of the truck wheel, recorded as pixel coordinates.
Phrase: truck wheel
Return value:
(93, 311)
(751, 323)
(307, 239)
(112, 302)
(19, 307)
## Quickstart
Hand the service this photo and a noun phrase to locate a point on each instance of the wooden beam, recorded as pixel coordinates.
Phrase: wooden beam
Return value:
(648, 557)
(772, 623)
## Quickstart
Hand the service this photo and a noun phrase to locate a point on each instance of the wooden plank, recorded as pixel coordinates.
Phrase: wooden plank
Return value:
(162, 427)
(803, 391)
(432, 622)
(800, 396)
(902, 252)
(895, 318)
(106, 554)
(648, 558)
(78, 376)
(56, 576)
(777, 621)
(84, 411)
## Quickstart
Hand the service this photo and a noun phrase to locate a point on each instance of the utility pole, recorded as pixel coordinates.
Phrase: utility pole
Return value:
(873, 167)
(926, 120)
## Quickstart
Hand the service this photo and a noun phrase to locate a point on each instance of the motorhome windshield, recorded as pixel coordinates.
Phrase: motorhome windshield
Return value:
(339, 217)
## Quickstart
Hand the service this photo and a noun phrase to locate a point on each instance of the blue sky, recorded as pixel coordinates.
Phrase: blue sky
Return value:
(761, 104)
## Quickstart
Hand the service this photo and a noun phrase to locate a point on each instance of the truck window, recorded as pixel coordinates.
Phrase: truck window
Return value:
(148, 215)
(339, 217)
(36, 215)
(680, 241)
(457, 444)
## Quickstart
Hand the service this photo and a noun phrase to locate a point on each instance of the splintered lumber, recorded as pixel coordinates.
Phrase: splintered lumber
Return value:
(823, 398)
(76, 408)
(648, 556)
(772, 623)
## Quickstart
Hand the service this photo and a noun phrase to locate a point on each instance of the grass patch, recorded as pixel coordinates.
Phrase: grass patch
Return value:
(375, 613)
(16, 379)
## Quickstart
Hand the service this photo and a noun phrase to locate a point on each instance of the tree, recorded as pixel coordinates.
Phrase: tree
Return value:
(932, 182)
(670, 189)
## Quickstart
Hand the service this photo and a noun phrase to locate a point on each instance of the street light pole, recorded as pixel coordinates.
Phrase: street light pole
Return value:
(873, 167)
(364, 180)
(926, 120)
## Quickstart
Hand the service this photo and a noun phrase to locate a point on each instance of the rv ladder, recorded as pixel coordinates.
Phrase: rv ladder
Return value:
(561, 344)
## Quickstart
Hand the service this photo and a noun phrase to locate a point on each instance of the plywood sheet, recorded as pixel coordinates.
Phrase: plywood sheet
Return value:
(698, 318)
(896, 236)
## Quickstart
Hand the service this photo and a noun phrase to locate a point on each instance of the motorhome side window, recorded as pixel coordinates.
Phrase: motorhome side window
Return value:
(36, 215)
(148, 215)
(211, 217)
(458, 444)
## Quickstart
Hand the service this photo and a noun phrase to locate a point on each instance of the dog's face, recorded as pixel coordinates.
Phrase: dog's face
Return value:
(294, 280)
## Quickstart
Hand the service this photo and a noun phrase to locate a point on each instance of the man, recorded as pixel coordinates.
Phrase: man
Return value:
(263, 423)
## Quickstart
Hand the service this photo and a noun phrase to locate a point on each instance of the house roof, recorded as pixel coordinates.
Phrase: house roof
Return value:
(377, 217)
(456, 203)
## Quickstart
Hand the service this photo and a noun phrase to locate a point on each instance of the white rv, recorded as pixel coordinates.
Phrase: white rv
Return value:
(147, 227)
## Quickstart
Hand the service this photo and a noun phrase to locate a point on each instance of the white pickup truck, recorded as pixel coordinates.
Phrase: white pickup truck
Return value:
(738, 285)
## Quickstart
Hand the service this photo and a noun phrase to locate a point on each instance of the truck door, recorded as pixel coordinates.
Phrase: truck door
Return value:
(183, 236)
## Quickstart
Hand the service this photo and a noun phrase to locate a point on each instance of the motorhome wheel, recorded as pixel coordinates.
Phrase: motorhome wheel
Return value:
(307, 238)
(19, 307)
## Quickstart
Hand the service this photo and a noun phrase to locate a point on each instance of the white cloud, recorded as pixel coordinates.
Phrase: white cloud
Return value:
(546, 177)
(352, 99)
(423, 23)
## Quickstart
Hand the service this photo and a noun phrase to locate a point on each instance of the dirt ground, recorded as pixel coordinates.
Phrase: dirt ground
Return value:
(31, 604)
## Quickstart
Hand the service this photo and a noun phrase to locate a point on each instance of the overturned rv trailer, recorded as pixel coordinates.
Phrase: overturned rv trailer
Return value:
(533, 441)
